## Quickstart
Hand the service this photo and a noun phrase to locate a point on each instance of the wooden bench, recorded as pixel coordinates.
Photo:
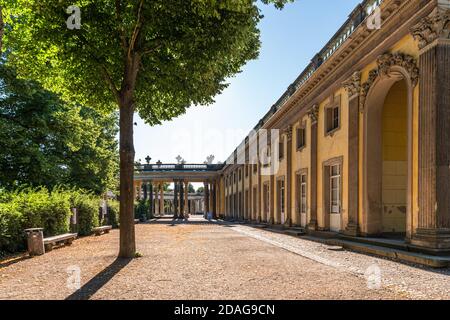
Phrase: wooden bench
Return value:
(99, 230)
(61, 240)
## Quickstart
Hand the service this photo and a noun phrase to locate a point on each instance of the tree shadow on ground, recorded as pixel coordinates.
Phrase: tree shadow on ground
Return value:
(96, 283)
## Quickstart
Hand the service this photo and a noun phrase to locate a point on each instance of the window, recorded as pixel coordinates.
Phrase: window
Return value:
(303, 193)
(254, 197)
(246, 171)
(255, 168)
(332, 119)
(281, 198)
(266, 200)
(234, 177)
(301, 138)
(281, 149)
(335, 189)
(240, 174)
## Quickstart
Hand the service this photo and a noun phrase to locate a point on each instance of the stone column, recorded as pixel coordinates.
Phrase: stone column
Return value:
(181, 183)
(145, 191)
(206, 192)
(433, 225)
(353, 86)
(175, 199)
(214, 199)
(186, 200)
(314, 116)
(288, 186)
(161, 200)
(150, 185)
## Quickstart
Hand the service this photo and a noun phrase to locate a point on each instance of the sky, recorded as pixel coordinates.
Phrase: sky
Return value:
(290, 39)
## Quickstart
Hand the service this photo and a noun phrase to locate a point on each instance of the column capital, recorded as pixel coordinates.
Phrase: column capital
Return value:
(353, 85)
(313, 113)
(434, 27)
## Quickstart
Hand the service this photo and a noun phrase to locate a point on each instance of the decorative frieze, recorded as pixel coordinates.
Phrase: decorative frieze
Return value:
(366, 87)
(435, 26)
(385, 64)
(353, 85)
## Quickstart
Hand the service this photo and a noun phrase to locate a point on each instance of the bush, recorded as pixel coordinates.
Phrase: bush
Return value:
(142, 208)
(113, 213)
(12, 237)
(39, 208)
(87, 212)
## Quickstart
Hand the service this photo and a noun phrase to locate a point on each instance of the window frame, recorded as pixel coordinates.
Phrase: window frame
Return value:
(331, 108)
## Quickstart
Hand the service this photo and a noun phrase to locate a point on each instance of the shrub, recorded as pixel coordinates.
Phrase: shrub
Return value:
(113, 213)
(87, 212)
(142, 208)
(12, 237)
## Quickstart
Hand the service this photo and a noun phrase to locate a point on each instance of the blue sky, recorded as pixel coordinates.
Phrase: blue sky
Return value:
(290, 38)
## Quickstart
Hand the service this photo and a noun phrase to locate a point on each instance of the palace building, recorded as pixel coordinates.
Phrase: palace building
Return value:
(364, 137)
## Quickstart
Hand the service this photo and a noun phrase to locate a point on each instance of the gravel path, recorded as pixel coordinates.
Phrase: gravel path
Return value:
(213, 261)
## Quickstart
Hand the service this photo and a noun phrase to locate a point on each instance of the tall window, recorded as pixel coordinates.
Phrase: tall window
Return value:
(303, 193)
(281, 149)
(335, 189)
(301, 138)
(254, 197)
(332, 118)
(281, 198)
(240, 174)
(266, 200)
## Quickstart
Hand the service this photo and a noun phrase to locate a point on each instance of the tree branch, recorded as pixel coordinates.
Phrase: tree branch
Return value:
(136, 31)
(122, 35)
(2, 27)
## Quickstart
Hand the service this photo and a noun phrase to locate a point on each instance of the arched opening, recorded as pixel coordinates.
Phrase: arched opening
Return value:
(387, 159)
(394, 161)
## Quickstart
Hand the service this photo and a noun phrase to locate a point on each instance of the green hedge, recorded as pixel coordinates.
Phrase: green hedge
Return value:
(39, 208)
(113, 213)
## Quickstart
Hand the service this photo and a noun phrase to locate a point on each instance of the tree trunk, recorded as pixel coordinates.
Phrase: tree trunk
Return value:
(127, 234)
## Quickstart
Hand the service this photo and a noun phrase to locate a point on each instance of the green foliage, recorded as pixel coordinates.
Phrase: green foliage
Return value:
(87, 211)
(45, 142)
(142, 208)
(38, 208)
(11, 232)
(184, 50)
(113, 213)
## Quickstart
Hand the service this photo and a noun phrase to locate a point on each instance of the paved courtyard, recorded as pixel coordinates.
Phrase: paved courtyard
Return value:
(215, 261)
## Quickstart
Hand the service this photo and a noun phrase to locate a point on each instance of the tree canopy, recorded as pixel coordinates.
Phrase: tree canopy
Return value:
(46, 142)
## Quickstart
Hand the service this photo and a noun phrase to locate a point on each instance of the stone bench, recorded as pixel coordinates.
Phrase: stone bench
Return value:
(100, 230)
(136, 221)
(60, 240)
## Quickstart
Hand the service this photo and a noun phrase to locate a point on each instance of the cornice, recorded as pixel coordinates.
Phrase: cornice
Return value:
(353, 55)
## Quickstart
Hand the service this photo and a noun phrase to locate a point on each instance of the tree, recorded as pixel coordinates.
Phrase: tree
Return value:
(155, 57)
(46, 142)
(2, 26)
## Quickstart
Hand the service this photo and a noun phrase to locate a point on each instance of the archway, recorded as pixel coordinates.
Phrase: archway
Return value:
(387, 204)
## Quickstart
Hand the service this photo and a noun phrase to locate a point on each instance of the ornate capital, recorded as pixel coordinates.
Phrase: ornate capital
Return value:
(385, 64)
(288, 132)
(353, 84)
(313, 113)
(389, 60)
(366, 87)
(435, 26)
